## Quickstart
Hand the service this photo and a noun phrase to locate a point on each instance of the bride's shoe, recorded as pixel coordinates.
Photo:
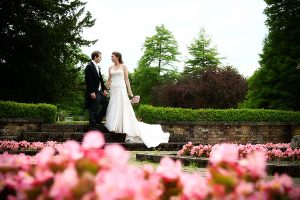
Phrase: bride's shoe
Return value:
(134, 139)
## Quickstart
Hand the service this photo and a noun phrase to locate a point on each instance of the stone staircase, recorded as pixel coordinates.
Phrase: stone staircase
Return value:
(64, 132)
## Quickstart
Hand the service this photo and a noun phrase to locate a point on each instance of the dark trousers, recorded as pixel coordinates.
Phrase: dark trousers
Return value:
(97, 110)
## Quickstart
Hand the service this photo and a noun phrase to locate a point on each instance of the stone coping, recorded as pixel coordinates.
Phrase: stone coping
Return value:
(292, 169)
(23, 120)
(225, 123)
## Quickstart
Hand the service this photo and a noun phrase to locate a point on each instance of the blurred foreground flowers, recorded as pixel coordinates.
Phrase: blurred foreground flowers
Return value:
(91, 171)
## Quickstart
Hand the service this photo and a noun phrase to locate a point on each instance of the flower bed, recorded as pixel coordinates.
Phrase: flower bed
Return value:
(92, 171)
(10, 145)
(273, 152)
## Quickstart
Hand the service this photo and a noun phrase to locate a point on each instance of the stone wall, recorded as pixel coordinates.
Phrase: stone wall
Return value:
(236, 132)
(197, 132)
(13, 128)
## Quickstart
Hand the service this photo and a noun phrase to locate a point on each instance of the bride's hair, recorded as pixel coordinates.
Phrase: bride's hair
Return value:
(119, 56)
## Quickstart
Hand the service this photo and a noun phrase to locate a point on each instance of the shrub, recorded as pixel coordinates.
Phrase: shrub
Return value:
(9, 109)
(152, 114)
(209, 88)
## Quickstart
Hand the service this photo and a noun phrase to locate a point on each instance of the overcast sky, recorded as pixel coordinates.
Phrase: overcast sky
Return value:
(236, 27)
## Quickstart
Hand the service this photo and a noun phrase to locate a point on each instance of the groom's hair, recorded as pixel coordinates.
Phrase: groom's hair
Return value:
(95, 54)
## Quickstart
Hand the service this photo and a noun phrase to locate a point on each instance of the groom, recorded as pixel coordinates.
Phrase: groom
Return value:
(96, 93)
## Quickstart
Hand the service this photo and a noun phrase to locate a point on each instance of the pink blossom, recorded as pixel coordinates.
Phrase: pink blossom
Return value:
(256, 164)
(116, 155)
(105, 173)
(45, 155)
(169, 169)
(148, 169)
(72, 150)
(191, 182)
(93, 140)
(244, 189)
(224, 153)
(120, 184)
(63, 183)
(294, 193)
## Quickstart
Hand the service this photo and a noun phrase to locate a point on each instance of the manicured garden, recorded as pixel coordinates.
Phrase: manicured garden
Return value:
(89, 170)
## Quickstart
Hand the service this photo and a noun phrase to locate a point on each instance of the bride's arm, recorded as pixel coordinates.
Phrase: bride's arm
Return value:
(108, 83)
(127, 81)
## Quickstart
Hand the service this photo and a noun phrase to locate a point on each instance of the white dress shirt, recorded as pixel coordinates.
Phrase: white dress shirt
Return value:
(98, 69)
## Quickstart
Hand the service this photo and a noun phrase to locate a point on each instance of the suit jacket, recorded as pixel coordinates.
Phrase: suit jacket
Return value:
(92, 81)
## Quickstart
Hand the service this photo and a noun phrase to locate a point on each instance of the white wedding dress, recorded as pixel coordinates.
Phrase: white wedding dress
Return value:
(120, 117)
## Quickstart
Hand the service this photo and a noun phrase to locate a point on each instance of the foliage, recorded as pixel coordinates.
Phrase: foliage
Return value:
(157, 63)
(143, 80)
(160, 51)
(151, 114)
(206, 88)
(202, 54)
(9, 109)
(40, 52)
(93, 170)
(275, 85)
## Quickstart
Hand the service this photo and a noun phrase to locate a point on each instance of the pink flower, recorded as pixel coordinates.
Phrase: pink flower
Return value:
(244, 189)
(45, 155)
(256, 164)
(169, 169)
(294, 193)
(93, 140)
(224, 153)
(116, 156)
(148, 169)
(63, 183)
(191, 182)
(120, 184)
(71, 149)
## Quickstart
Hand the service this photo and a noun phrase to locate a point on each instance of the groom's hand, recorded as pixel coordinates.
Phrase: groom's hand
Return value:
(93, 95)
(105, 93)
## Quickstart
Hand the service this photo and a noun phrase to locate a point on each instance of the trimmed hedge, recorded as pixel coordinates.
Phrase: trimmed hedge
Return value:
(152, 114)
(10, 109)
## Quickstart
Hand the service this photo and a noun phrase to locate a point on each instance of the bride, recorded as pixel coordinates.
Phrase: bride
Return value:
(120, 117)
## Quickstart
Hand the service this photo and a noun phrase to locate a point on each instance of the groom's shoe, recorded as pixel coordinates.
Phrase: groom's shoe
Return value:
(101, 127)
(92, 129)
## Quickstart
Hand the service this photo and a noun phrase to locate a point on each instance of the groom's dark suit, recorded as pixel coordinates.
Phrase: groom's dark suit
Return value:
(98, 106)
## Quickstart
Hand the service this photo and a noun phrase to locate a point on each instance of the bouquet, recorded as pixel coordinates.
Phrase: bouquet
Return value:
(135, 100)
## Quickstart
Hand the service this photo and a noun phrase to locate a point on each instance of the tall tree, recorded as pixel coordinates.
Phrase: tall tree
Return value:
(157, 63)
(276, 84)
(40, 54)
(160, 51)
(203, 54)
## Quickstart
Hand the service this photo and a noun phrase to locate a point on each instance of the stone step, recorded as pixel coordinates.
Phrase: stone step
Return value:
(9, 137)
(64, 128)
(62, 136)
(128, 146)
(172, 146)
